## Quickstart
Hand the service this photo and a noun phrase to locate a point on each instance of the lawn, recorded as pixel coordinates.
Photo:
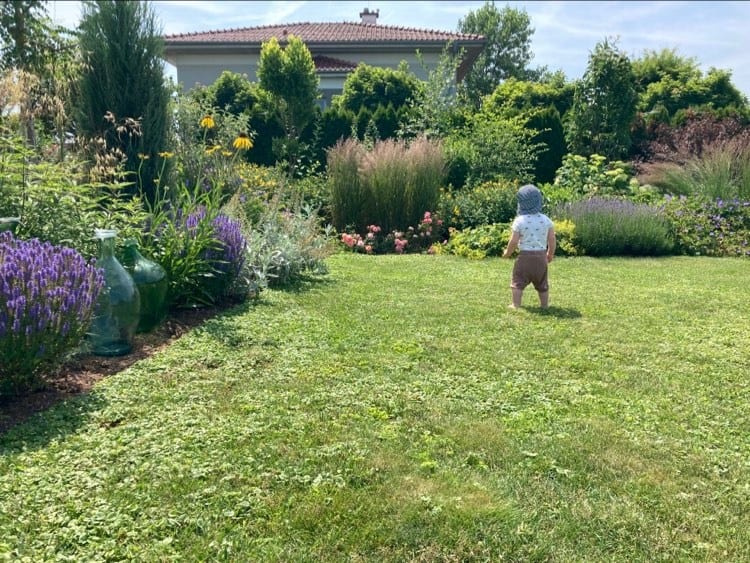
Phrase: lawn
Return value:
(398, 411)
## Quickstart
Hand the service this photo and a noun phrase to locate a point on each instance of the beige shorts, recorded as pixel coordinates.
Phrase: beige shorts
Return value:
(530, 268)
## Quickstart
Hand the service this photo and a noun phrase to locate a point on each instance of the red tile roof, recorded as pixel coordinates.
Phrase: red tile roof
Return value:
(343, 32)
(331, 64)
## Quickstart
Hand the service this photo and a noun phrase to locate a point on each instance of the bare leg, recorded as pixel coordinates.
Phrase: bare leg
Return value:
(544, 299)
(517, 295)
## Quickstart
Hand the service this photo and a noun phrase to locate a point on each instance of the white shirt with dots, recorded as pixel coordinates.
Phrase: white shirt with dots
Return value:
(532, 230)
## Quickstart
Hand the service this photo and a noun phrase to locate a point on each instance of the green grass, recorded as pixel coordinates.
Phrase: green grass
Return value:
(398, 411)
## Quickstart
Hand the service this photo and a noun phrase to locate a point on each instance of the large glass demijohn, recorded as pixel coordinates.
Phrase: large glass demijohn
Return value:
(151, 280)
(118, 309)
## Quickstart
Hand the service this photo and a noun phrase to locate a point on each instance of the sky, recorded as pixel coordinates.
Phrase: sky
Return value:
(714, 34)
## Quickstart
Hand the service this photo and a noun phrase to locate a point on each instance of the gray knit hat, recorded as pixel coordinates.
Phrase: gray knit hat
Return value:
(529, 200)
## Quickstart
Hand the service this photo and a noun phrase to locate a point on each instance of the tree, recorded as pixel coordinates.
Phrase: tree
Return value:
(24, 32)
(437, 109)
(507, 52)
(289, 76)
(40, 55)
(604, 105)
(123, 79)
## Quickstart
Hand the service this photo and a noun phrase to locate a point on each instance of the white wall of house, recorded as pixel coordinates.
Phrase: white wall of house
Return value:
(204, 69)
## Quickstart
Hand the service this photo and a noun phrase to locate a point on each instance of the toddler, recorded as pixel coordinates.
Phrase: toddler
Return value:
(533, 234)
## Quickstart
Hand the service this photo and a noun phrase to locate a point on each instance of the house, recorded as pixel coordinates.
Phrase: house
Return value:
(337, 49)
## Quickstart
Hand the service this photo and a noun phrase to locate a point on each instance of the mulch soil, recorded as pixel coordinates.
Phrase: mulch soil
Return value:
(78, 375)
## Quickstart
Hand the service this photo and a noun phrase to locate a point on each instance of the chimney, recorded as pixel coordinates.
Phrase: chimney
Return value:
(369, 17)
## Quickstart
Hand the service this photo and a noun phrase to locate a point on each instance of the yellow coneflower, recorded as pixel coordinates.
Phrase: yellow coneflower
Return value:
(207, 122)
(143, 156)
(166, 154)
(213, 149)
(242, 142)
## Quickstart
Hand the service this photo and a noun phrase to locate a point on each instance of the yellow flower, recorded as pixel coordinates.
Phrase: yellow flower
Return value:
(242, 142)
(226, 153)
(213, 149)
(143, 156)
(207, 122)
(166, 154)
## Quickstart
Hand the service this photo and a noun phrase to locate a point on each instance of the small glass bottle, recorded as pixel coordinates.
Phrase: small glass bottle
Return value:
(9, 223)
(118, 309)
(151, 280)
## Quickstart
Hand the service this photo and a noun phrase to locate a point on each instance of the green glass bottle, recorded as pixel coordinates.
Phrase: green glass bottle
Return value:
(9, 223)
(118, 309)
(151, 280)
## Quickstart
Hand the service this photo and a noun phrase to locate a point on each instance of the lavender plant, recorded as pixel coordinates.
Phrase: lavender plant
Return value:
(47, 297)
(617, 227)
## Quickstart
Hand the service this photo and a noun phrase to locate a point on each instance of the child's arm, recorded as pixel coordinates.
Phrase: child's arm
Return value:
(551, 244)
(512, 244)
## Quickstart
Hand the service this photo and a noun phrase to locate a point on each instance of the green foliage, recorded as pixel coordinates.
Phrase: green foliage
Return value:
(123, 77)
(716, 227)
(37, 58)
(507, 51)
(490, 240)
(371, 87)
(335, 125)
(616, 227)
(604, 105)
(488, 202)
(53, 206)
(390, 185)
(668, 82)
(179, 234)
(516, 96)
(204, 154)
(289, 75)
(550, 137)
(26, 35)
(284, 247)
(234, 94)
(489, 147)
(438, 109)
(479, 242)
(565, 233)
(592, 176)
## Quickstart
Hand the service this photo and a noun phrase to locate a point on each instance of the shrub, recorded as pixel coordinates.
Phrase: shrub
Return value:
(479, 242)
(54, 206)
(349, 192)
(713, 228)
(489, 202)
(615, 227)
(283, 246)
(594, 176)
(414, 239)
(491, 240)
(721, 171)
(489, 148)
(391, 185)
(47, 297)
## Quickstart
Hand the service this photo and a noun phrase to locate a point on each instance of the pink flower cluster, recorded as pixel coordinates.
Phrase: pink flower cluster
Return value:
(414, 239)
(355, 242)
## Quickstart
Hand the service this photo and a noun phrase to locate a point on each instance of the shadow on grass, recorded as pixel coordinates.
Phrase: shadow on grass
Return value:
(305, 283)
(51, 424)
(558, 312)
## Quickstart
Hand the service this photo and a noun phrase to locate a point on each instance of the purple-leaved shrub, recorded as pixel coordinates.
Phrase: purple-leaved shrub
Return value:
(47, 297)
